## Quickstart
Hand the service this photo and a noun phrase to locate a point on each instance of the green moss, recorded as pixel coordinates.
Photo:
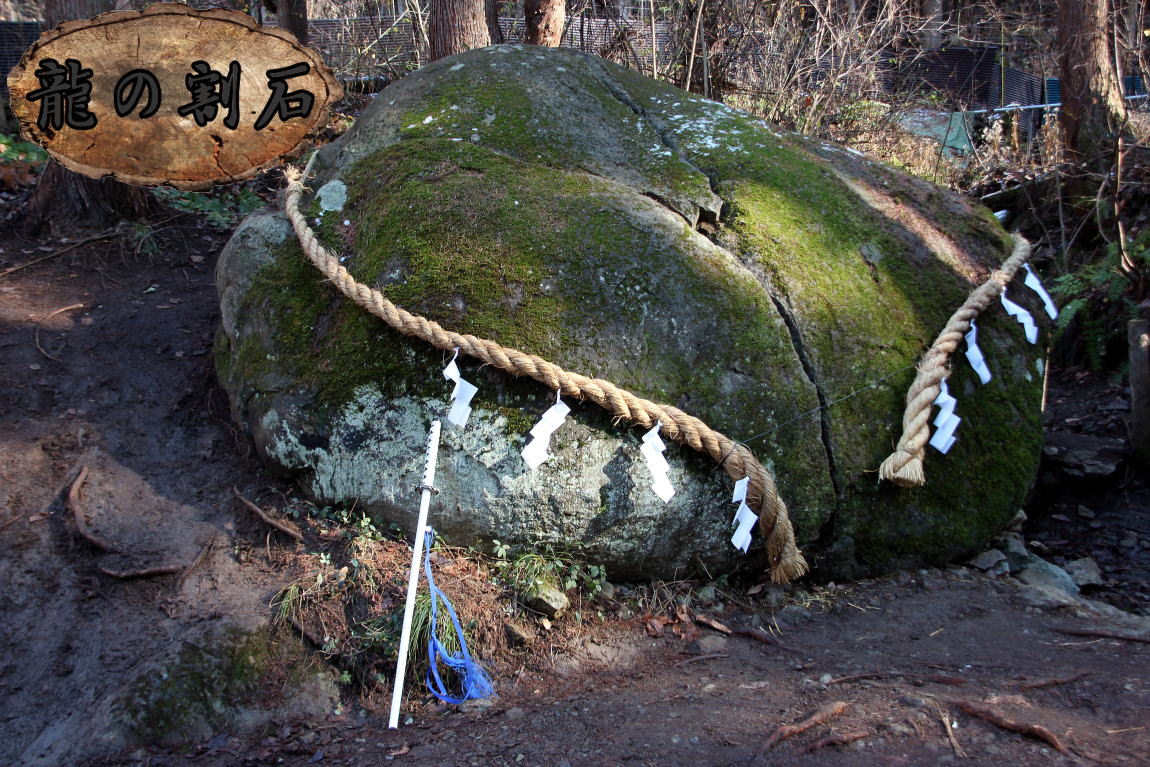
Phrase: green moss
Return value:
(204, 686)
(507, 233)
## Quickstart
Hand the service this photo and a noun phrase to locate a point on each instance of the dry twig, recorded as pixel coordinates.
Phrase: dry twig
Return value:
(269, 520)
(78, 514)
(1023, 728)
(838, 740)
(61, 310)
(710, 622)
(942, 717)
(197, 561)
(698, 658)
(784, 731)
(101, 236)
(858, 677)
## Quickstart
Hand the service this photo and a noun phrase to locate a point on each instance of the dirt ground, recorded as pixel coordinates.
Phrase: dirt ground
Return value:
(106, 363)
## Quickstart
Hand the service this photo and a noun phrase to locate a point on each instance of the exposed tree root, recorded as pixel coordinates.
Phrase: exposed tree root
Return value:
(145, 572)
(838, 740)
(1023, 728)
(78, 514)
(760, 636)
(267, 519)
(784, 731)
(1104, 633)
(1052, 682)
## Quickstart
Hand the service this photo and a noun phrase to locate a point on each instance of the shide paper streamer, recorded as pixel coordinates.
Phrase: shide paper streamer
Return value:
(1035, 284)
(536, 451)
(1023, 317)
(745, 519)
(461, 396)
(652, 450)
(974, 354)
(946, 421)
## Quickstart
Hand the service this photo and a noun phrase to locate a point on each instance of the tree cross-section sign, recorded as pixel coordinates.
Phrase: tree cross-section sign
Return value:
(171, 95)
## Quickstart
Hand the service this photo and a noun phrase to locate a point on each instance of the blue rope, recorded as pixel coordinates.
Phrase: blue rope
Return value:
(475, 682)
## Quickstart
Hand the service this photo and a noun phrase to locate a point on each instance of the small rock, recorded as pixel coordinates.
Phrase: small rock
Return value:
(545, 599)
(1012, 545)
(706, 595)
(825, 679)
(1085, 513)
(1084, 572)
(1083, 463)
(607, 590)
(793, 615)
(1129, 541)
(913, 702)
(1017, 522)
(514, 713)
(775, 593)
(712, 643)
(988, 559)
(516, 634)
(1042, 573)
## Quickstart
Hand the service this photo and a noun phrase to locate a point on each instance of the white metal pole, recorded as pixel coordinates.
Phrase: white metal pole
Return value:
(413, 574)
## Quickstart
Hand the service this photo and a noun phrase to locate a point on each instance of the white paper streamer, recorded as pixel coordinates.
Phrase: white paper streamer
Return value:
(461, 395)
(1035, 284)
(745, 519)
(741, 490)
(946, 421)
(536, 451)
(1023, 317)
(652, 450)
(974, 354)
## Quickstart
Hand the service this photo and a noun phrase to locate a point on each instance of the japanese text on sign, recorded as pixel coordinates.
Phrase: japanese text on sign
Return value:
(65, 91)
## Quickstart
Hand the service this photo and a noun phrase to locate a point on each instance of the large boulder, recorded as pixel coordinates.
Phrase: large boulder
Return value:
(778, 288)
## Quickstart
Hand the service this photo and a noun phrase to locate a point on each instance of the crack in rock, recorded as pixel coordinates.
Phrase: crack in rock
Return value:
(809, 370)
(709, 213)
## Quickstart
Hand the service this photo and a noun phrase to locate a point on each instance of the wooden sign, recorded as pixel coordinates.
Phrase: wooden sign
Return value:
(171, 95)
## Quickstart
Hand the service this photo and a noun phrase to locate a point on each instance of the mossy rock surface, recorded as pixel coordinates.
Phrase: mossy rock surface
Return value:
(778, 288)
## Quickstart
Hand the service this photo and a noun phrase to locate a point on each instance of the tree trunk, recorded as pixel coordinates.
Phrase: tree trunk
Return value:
(63, 201)
(1138, 334)
(293, 18)
(544, 21)
(494, 31)
(931, 35)
(1093, 111)
(457, 26)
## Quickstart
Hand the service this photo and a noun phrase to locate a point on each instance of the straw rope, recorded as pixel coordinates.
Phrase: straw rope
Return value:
(904, 465)
(786, 561)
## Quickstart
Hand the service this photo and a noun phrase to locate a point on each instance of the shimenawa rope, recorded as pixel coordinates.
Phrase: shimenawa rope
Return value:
(786, 561)
(904, 465)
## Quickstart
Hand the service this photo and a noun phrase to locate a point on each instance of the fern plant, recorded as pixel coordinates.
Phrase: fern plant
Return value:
(1099, 298)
